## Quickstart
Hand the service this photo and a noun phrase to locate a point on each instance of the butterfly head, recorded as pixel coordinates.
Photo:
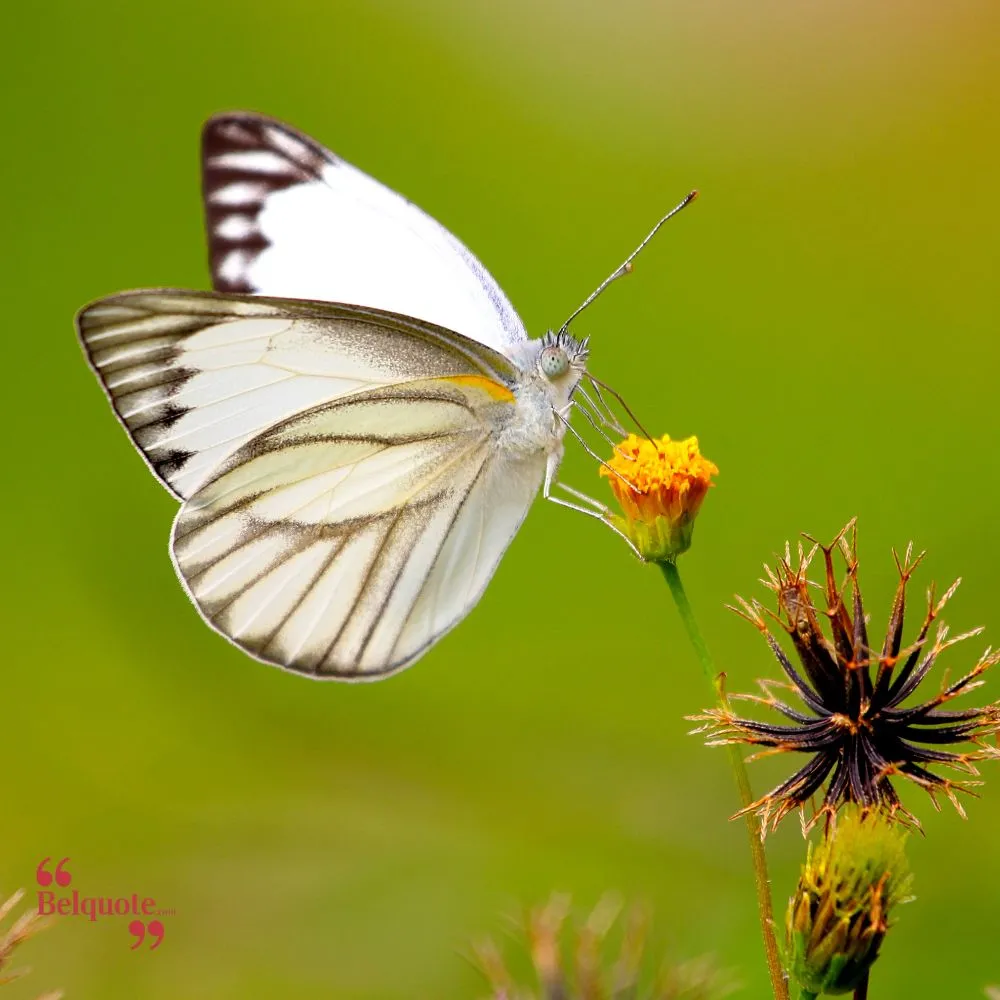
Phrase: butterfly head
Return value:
(562, 359)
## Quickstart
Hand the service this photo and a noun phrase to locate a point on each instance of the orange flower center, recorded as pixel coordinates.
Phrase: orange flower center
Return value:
(663, 478)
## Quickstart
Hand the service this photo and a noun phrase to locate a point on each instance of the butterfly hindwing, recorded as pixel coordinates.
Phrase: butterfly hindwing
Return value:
(286, 217)
(346, 540)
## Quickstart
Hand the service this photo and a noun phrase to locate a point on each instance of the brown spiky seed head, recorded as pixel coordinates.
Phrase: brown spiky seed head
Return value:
(857, 722)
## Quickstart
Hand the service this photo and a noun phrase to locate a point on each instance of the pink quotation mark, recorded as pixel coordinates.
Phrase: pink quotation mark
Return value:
(61, 876)
(138, 930)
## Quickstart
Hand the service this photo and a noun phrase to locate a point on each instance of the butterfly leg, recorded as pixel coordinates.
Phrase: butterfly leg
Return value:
(561, 416)
(597, 417)
(603, 509)
(595, 508)
(594, 420)
(601, 409)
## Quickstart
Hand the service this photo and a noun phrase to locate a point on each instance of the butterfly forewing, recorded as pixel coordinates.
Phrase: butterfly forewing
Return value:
(286, 217)
(195, 375)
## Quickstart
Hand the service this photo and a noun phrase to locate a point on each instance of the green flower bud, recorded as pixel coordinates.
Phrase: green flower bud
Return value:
(839, 915)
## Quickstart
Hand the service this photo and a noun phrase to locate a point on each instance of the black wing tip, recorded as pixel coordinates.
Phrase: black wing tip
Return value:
(220, 119)
(229, 131)
(218, 129)
(230, 141)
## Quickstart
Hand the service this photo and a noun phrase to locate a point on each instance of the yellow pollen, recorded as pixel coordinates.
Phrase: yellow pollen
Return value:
(664, 478)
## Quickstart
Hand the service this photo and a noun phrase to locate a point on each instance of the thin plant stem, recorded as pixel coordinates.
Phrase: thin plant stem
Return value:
(861, 990)
(765, 909)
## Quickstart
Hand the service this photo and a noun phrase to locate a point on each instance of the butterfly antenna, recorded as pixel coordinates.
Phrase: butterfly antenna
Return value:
(626, 265)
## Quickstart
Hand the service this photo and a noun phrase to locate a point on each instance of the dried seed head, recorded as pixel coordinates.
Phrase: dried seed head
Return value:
(857, 721)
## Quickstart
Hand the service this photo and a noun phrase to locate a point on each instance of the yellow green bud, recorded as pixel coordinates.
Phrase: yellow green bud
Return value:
(839, 915)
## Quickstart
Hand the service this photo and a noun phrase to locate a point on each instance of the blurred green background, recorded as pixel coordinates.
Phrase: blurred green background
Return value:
(824, 318)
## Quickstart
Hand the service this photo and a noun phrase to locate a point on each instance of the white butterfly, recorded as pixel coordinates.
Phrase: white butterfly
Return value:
(349, 474)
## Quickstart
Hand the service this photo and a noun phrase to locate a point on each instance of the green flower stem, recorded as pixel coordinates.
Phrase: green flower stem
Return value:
(764, 905)
(807, 995)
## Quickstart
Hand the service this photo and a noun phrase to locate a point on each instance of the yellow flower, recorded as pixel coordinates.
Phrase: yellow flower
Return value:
(660, 485)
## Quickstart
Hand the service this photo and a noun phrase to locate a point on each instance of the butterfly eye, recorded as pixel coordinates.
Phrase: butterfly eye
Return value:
(554, 362)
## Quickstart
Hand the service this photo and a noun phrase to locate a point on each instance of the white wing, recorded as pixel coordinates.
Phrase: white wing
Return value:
(286, 217)
(193, 376)
(345, 541)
